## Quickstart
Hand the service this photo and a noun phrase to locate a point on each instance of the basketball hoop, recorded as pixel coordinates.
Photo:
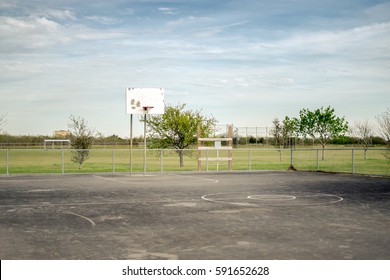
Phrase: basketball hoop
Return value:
(140, 101)
(147, 108)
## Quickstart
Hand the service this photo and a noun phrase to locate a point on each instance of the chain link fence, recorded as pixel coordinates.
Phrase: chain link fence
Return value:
(373, 161)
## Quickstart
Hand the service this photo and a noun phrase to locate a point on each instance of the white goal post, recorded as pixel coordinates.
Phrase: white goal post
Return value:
(217, 147)
(54, 141)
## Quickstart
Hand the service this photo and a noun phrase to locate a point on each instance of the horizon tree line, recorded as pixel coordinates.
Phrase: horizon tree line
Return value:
(176, 129)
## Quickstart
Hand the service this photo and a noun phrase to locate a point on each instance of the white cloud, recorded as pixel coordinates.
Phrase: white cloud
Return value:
(103, 19)
(328, 42)
(65, 14)
(24, 34)
(211, 31)
(28, 33)
(168, 11)
(189, 21)
(231, 59)
(26, 25)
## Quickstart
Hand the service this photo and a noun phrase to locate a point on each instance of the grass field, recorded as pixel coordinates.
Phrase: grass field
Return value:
(24, 161)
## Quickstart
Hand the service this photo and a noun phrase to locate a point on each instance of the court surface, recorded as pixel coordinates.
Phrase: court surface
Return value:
(260, 215)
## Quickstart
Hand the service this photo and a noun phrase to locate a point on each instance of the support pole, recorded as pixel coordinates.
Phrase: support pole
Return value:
(7, 161)
(144, 144)
(162, 161)
(207, 160)
(318, 161)
(131, 144)
(199, 152)
(230, 153)
(249, 160)
(62, 162)
(113, 162)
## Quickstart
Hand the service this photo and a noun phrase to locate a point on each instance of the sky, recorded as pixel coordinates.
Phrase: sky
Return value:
(244, 62)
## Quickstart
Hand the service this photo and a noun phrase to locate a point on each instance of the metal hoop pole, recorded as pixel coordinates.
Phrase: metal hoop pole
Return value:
(131, 144)
(144, 144)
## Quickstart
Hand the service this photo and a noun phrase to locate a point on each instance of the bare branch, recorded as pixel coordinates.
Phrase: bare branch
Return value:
(3, 122)
(383, 120)
(363, 133)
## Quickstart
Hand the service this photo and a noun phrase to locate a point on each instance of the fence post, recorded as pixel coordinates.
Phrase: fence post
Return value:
(113, 161)
(207, 160)
(62, 162)
(246, 136)
(291, 157)
(6, 161)
(250, 160)
(162, 161)
(217, 160)
(353, 161)
(318, 161)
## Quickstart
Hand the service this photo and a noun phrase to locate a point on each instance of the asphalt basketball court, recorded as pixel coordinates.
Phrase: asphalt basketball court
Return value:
(258, 215)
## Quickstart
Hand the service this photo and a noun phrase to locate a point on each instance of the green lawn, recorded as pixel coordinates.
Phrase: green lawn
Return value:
(118, 160)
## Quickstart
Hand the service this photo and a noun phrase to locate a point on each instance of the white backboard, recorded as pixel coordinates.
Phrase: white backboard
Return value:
(145, 101)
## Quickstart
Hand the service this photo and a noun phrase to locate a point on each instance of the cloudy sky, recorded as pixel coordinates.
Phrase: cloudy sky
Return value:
(243, 61)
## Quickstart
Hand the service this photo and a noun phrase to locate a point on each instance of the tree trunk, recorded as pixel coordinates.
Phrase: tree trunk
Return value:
(181, 156)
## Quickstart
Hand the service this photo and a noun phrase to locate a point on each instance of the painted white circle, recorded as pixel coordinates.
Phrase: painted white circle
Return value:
(272, 197)
(260, 200)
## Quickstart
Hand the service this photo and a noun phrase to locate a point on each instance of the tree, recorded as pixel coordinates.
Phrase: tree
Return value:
(81, 137)
(277, 133)
(383, 120)
(282, 132)
(363, 132)
(177, 129)
(289, 131)
(322, 124)
(3, 122)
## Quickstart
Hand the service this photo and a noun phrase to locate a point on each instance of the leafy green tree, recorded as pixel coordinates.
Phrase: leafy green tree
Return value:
(321, 124)
(81, 137)
(177, 129)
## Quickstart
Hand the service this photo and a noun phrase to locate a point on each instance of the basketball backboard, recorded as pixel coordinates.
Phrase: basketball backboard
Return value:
(145, 101)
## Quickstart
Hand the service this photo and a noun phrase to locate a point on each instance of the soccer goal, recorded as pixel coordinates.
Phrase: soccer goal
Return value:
(56, 143)
(216, 147)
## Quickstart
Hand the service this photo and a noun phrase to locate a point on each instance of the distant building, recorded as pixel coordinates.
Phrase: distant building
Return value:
(61, 133)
